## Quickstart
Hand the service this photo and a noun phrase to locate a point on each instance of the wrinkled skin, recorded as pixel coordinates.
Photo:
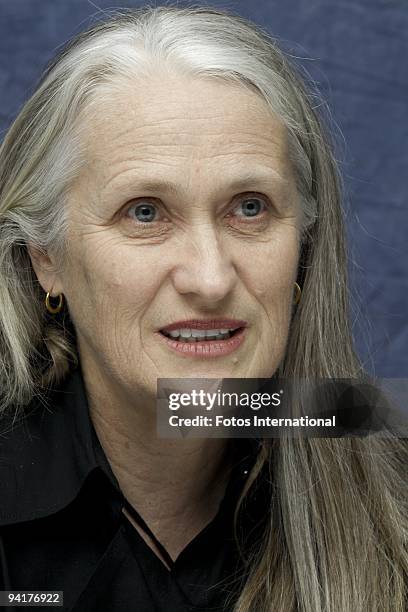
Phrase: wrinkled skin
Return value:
(201, 255)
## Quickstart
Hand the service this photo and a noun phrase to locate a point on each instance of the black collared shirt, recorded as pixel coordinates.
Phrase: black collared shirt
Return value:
(62, 527)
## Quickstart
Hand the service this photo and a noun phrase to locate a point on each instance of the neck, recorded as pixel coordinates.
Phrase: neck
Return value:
(175, 485)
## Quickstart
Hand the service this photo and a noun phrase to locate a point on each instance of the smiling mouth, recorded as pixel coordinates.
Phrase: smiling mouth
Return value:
(194, 336)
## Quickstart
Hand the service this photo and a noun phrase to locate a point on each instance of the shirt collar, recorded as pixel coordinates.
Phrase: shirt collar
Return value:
(47, 455)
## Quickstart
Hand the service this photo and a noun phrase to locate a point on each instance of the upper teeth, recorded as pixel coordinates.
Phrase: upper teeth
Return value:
(198, 333)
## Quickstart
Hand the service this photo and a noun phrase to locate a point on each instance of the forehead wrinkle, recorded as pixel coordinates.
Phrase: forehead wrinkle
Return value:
(238, 135)
(157, 128)
(153, 154)
(137, 146)
(140, 151)
(148, 141)
(147, 164)
(265, 178)
(130, 135)
(123, 173)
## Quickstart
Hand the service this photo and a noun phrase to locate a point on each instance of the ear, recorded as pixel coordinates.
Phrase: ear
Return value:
(46, 270)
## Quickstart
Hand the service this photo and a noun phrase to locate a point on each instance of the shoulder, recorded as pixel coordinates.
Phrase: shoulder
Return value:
(45, 454)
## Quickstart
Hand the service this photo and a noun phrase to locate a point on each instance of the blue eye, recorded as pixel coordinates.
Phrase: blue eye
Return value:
(145, 213)
(251, 207)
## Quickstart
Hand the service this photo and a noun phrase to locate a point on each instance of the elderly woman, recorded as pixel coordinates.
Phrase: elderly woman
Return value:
(170, 177)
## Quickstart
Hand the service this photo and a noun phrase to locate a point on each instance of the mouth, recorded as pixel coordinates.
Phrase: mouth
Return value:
(204, 338)
(203, 330)
(198, 335)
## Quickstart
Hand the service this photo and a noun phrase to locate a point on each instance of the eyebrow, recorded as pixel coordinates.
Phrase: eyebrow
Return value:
(245, 180)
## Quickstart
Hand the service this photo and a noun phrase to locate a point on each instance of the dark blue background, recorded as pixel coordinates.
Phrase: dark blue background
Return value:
(356, 51)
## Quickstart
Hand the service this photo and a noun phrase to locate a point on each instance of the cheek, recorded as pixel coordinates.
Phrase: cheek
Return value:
(269, 268)
(111, 288)
(127, 287)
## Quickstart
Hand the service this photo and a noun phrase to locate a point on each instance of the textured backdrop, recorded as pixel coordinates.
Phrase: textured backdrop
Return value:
(357, 52)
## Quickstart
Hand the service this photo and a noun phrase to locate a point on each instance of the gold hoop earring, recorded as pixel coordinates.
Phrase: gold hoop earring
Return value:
(52, 309)
(298, 294)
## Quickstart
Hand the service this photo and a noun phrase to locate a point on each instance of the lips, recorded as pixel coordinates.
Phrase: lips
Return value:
(205, 324)
(212, 346)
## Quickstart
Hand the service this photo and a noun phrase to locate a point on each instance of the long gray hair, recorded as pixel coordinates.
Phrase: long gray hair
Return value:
(336, 529)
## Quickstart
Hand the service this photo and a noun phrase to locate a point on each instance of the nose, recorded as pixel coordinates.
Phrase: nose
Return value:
(205, 268)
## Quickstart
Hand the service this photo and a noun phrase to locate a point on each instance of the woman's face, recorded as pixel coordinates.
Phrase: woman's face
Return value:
(187, 209)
